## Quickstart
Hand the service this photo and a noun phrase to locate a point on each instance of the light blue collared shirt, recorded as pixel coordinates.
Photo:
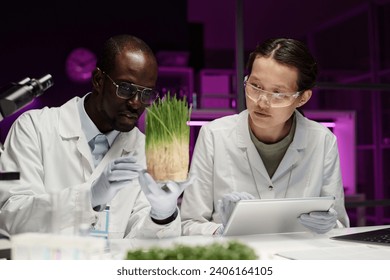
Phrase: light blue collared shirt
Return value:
(90, 128)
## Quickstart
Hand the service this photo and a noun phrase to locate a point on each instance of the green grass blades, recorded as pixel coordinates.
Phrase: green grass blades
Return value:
(232, 250)
(167, 138)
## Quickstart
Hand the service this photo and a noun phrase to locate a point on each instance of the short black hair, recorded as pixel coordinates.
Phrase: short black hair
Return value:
(114, 45)
(289, 52)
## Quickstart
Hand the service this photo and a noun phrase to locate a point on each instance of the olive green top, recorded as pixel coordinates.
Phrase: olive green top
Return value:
(272, 154)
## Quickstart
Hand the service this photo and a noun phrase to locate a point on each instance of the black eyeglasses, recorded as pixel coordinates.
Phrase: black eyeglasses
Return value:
(127, 90)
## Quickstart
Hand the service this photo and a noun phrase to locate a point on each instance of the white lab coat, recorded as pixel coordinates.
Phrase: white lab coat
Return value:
(226, 160)
(51, 152)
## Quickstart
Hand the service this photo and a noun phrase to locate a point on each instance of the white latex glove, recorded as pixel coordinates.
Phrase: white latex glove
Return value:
(162, 196)
(319, 221)
(219, 230)
(226, 205)
(114, 177)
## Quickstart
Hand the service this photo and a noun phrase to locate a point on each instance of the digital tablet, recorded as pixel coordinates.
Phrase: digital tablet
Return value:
(260, 216)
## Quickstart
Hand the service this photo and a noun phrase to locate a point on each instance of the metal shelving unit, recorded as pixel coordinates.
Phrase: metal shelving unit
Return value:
(357, 77)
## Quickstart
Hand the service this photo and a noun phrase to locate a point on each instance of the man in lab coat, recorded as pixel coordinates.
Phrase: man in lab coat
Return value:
(89, 154)
(269, 150)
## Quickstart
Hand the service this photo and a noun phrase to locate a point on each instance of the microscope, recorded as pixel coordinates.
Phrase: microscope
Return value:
(15, 96)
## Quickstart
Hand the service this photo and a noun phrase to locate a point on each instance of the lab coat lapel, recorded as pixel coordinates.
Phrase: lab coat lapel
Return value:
(256, 164)
(288, 162)
(70, 130)
(85, 152)
(117, 150)
(294, 152)
(260, 174)
(122, 146)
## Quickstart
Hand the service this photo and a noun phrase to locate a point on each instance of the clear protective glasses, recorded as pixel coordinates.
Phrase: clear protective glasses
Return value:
(273, 99)
(126, 90)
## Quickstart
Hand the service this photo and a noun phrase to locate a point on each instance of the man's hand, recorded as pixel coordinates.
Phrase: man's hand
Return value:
(162, 196)
(114, 177)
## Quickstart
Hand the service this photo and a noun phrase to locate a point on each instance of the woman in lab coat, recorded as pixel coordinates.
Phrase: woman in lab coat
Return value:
(55, 151)
(270, 150)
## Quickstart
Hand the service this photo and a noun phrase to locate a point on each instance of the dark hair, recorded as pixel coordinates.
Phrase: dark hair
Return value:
(289, 52)
(114, 45)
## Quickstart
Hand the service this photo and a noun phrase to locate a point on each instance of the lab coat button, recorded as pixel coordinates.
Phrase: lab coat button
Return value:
(270, 188)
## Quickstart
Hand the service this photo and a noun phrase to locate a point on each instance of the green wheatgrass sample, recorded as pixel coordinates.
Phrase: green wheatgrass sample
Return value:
(168, 138)
(232, 250)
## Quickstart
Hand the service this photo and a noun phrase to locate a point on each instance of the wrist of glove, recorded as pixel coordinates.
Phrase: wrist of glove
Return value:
(319, 221)
(164, 208)
(226, 205)
(115, 176)
(219, 231)
(162, 196)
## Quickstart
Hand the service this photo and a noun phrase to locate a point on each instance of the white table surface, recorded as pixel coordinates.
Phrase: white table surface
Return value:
(304, 245)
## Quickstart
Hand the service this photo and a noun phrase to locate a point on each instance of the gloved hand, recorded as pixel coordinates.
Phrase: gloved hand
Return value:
(319, 221)
(219, 231)
(226, 205)
(162, 196)
(114, 177)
